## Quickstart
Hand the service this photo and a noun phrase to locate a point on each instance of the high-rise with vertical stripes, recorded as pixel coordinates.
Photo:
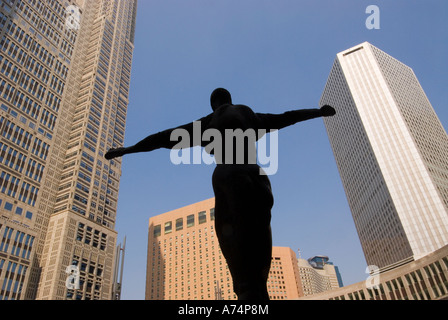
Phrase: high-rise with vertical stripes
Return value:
(64, 87)
(392, 154)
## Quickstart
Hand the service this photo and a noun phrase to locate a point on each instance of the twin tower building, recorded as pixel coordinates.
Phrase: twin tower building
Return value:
(65, 71)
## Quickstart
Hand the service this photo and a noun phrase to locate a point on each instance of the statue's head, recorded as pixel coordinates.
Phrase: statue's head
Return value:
(219, 97)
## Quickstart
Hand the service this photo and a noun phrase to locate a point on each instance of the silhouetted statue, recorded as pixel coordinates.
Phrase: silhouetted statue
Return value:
(243, 196)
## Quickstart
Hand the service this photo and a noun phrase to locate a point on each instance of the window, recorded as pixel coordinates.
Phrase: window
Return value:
(8, 206)
(190, 220)
(157, 230)
(202, 218)
(168, 227)
(357, 49)
(179, 224)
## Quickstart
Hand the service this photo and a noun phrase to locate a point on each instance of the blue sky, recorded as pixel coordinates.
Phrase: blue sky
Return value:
(274, 56)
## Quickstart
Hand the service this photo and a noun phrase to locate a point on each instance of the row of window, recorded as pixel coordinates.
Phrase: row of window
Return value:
(9, 185)
(16, 243)
(100, 213)
(91, 236)
(3, 20)
(53, 12)
(32, 86)
(13, 276)
(17, 161)
(34, 66)
(23, 138)
(426, 283)
(179, 223)
(18, 211)
(419, 116)
(28, 105)
(26, 82)
(24, 39)
(38, 23)
(89, 274)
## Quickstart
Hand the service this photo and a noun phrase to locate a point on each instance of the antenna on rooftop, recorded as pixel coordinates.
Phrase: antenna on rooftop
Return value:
(118, 272)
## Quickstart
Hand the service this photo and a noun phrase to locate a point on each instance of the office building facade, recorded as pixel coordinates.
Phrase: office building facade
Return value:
(318, 275)
(185, 262)
(284, 282)
(392, 154)
(184, 258)
(65, 75)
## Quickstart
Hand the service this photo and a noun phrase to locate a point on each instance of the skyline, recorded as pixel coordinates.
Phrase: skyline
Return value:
(279, 65)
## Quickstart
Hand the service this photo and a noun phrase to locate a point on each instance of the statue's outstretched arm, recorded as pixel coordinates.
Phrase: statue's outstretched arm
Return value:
(155, 141)
(279, 121)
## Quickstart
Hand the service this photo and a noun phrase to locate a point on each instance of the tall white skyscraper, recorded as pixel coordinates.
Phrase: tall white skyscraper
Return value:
(392, 154)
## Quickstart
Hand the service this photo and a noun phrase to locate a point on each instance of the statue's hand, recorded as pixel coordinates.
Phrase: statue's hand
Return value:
(327, 111)
(114, 153)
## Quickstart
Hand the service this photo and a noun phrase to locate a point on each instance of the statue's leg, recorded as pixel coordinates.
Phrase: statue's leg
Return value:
(243, 202)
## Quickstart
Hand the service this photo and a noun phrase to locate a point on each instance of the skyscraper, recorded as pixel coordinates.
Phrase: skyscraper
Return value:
(64, 86)
(185, 261)
(392, 154)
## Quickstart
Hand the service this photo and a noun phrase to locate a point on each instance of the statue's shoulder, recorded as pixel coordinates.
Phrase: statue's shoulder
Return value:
(244, 108)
